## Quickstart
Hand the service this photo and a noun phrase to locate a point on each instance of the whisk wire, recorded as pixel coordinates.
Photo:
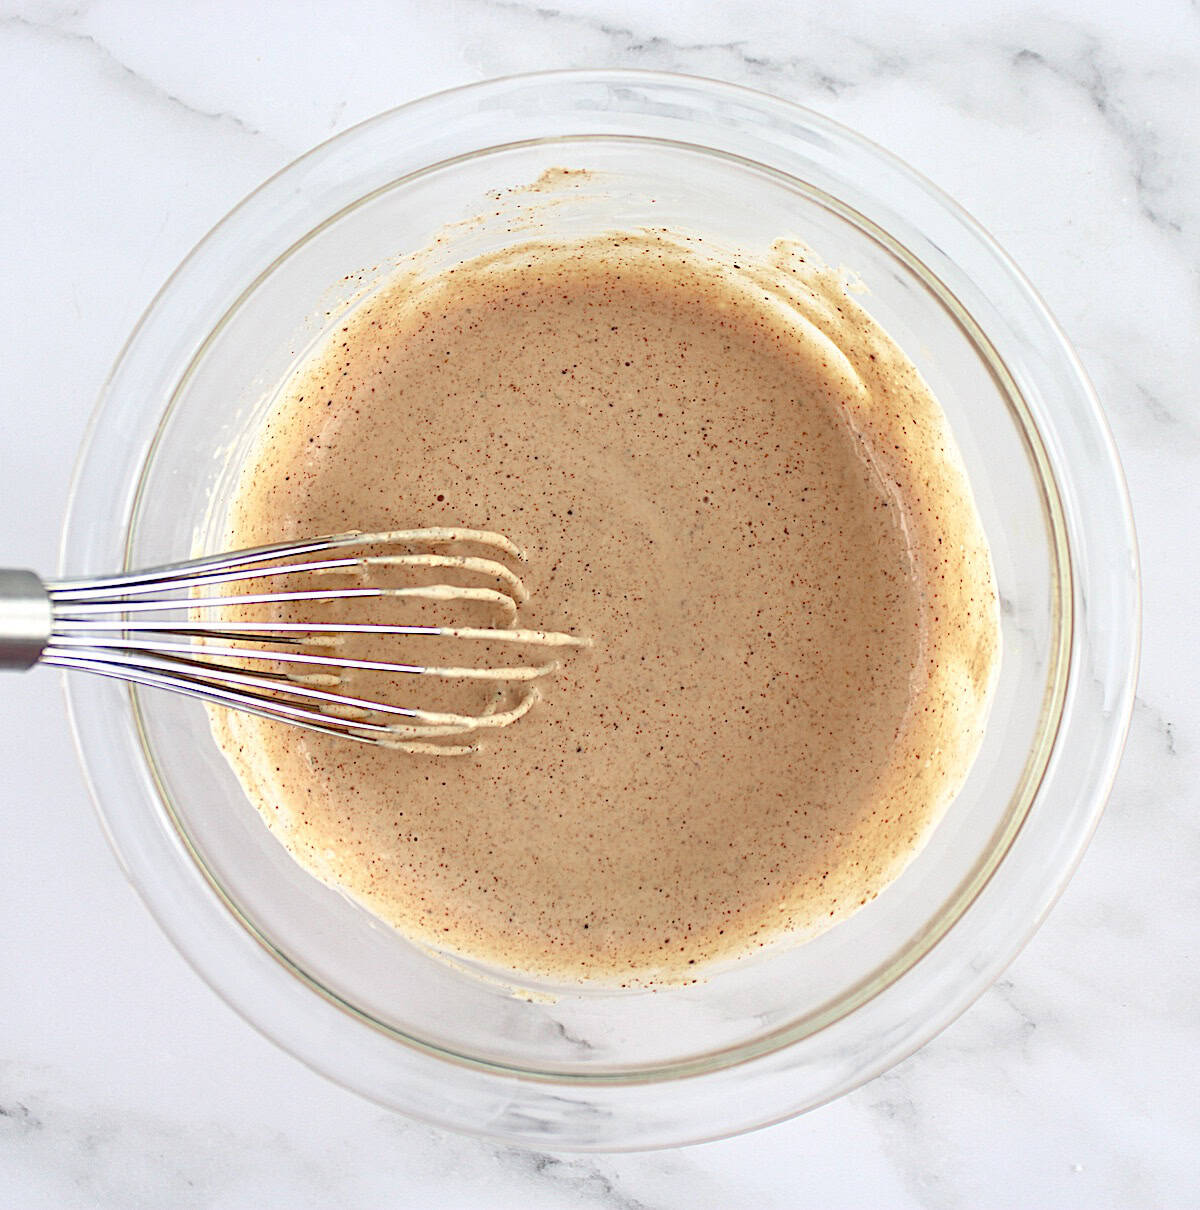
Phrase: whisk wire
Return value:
(113, 626)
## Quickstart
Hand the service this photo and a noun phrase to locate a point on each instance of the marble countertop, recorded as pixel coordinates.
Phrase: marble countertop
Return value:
(1069, 130)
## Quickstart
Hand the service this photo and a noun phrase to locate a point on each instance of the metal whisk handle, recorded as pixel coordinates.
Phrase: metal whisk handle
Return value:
(26, 618)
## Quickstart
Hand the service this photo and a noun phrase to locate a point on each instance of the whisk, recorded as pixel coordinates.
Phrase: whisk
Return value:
(289, 671)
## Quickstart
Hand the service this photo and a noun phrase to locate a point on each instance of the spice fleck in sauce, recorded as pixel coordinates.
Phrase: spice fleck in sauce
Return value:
(730, 478)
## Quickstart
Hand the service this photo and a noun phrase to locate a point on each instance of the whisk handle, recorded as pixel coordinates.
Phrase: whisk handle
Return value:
(26, 618)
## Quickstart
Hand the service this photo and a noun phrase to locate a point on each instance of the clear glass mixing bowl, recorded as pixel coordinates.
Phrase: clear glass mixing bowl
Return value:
(769, 1036)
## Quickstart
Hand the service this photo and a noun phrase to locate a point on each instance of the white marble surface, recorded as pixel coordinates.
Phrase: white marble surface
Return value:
(1069, 130)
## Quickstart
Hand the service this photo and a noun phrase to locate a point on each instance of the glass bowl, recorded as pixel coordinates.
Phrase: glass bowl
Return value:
(762, 1038)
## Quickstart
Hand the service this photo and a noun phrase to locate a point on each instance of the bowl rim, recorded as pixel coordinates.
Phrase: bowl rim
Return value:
(1105, 479)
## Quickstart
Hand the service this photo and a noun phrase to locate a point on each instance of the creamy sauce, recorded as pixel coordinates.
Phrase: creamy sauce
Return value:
(727, 476)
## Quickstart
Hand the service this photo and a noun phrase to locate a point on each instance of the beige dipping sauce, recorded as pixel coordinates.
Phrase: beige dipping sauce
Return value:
(728, 476)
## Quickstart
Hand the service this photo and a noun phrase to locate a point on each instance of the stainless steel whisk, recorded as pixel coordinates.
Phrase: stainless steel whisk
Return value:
(114, 626)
